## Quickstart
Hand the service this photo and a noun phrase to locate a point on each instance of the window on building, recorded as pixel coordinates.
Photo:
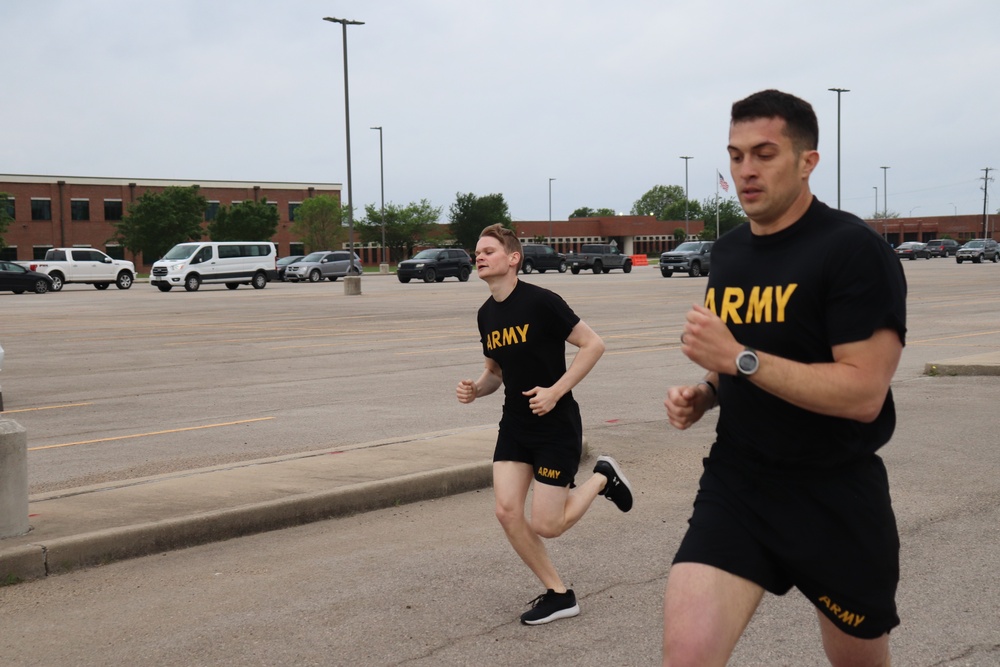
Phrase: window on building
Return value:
(38, 251)
(211, 210)
(10, 207)
(41, 209)
(115, 251)
(292, 205)
(296, 248)
(79, 209)
(8, 254)
(113, 211)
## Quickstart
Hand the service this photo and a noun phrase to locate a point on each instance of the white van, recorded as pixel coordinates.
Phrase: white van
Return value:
(234, 263)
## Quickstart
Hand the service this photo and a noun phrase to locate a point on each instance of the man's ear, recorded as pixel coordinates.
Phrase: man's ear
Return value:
(809, 160)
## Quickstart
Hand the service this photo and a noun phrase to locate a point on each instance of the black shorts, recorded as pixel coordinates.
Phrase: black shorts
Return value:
(553, 454)
(831, 534)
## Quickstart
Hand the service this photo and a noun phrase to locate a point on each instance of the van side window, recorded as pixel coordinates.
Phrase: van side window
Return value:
(228, 251)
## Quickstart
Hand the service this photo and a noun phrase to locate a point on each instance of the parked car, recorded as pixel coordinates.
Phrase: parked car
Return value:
(18, 279)
(977, 250)
(942, 247)
(542, 258)
(436, 264)
(329, 264)
(912, 250)
(283, 263)
(691, 257)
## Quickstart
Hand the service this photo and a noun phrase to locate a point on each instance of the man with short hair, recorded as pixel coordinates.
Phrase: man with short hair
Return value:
(801, 331)
(524, 329)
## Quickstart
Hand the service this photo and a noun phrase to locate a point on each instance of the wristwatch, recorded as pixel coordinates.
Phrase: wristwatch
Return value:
(747, 362)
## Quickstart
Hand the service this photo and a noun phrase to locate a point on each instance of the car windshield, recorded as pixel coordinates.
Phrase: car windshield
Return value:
(427, 254)
(690, 246)
(910, 244)
(288, 260)
(313, 257)
(974, 244)
(181, 251)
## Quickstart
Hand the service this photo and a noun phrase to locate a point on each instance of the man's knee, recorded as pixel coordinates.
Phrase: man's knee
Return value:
(548, 526)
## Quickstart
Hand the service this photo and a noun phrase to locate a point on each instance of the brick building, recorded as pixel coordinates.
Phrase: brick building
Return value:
(65, 211)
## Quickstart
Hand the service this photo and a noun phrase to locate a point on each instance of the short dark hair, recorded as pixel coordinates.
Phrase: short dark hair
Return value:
(800, 119)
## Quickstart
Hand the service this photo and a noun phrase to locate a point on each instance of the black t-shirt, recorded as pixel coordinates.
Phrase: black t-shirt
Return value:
(828, 279)
(525, 335)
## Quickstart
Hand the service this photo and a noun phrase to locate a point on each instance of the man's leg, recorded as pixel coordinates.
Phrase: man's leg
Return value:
(555, 509)
(705, 611)
(511, 481)
(843, 650)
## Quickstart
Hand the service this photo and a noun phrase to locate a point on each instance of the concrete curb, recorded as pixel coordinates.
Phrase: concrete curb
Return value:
(67, 553)
(977, 364)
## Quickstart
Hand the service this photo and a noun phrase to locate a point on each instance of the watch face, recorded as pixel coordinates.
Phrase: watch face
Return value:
(747, 362)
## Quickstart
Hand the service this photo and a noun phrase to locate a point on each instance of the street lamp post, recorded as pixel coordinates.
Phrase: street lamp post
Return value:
(550, 209)
(352, 283)
(838, 91)
(885, 193)
(381, 173)
(686, 232)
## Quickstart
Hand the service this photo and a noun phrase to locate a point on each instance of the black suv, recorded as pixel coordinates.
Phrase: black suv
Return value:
(977, 250)
(436, 264)
(542, 258)
(942, 247)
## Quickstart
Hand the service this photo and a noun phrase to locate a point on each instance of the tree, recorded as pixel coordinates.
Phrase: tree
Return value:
(885, 216)
(405, 226)
(247, 221)
(680, 235)
(666, 202)
(587, 212)
(319, 223)
(731, 215)
(5, 217)
(470, 214)
(157, 221)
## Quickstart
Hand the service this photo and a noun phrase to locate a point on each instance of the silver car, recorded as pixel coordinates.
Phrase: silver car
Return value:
(329, 264)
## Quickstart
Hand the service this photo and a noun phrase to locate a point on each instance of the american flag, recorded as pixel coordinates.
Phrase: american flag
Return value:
(722, 182)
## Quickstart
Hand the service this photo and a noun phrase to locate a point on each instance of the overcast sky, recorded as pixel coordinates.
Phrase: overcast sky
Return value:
(488, 96)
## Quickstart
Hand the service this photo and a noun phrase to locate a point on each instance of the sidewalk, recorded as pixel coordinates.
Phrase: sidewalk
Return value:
(88, 526)
(92, 525)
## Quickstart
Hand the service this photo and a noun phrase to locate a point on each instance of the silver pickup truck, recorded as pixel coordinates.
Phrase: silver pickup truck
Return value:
(599, 258)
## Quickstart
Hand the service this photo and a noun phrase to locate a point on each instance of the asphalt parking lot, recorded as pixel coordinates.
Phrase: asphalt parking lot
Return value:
(112, 385)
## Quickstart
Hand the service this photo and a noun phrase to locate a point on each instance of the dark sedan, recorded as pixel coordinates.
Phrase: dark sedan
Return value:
(283, 263)
(17, 279)
(912, 250)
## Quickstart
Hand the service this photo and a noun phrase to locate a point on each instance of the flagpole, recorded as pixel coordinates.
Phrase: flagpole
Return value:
(718, 178)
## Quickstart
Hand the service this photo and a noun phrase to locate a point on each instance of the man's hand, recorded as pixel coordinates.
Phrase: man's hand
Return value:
(686, 405)
(542, 400)
(708, 342)
(466, 391)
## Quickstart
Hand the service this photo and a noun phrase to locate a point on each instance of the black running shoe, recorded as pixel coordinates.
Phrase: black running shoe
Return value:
(551, 606)
(617, 490)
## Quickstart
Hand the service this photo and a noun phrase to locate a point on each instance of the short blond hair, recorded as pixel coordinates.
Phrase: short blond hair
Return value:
(507, 238)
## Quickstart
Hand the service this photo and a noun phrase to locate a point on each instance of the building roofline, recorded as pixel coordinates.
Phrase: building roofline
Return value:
(161, 182)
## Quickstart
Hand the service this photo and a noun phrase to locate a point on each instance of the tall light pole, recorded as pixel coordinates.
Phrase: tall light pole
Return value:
(875, 188)
(381, 172)
(550, 209)
(838, 91)
(350, 198)
(686, 158)
(885, 192)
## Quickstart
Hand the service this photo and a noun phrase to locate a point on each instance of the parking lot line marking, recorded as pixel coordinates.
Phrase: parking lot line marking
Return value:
(143, 435)
(45, 407)
(967, 335)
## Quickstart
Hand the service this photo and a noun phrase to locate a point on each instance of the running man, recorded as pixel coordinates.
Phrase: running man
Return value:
(524, 330)
(802, 329)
